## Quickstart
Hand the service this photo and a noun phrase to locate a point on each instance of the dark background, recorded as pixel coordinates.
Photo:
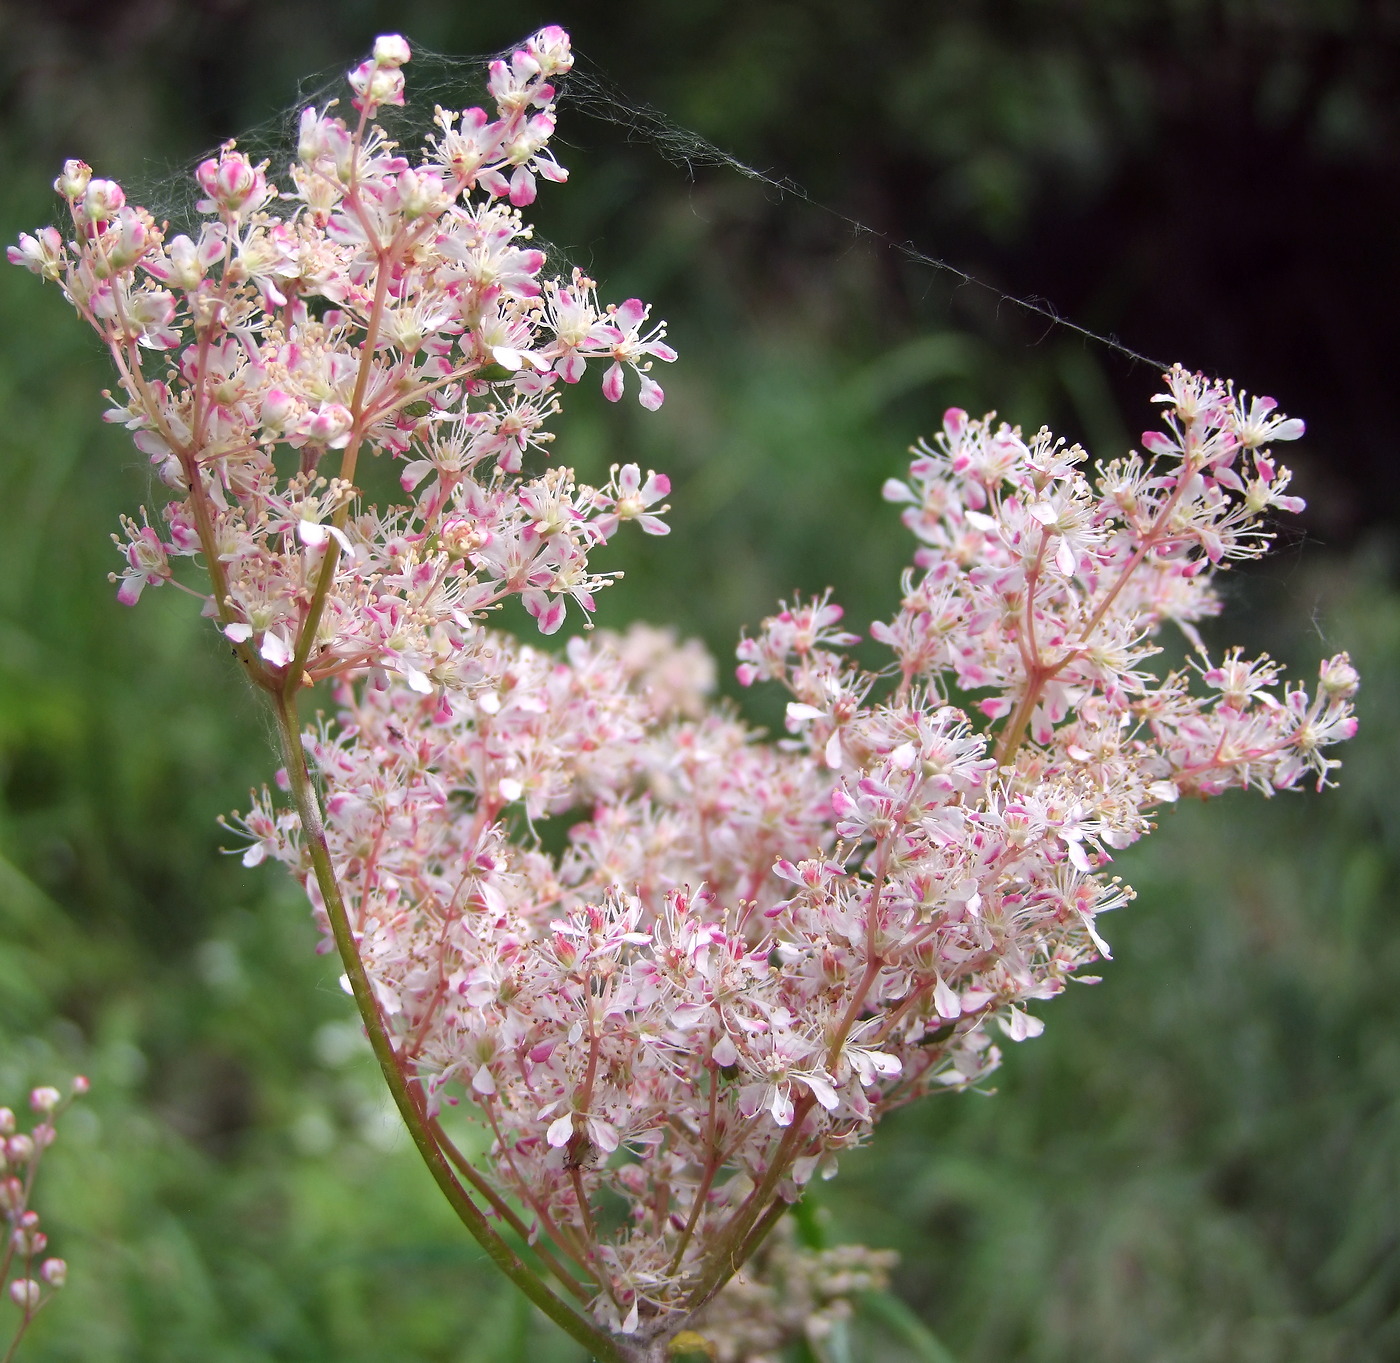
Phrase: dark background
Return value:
(1213, 181)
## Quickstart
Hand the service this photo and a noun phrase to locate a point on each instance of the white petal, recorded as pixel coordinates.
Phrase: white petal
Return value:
(1094, 933)
(603, 1135)
(821, 1091)
(275, 649)
(946, 1001)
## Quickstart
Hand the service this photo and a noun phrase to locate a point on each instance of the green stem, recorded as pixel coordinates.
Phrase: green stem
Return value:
(503, 1210)
(603, 1346)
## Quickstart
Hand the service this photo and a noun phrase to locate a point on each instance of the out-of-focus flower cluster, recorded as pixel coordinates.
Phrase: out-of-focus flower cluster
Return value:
(745, 951)
(788, 1293)
(29, 1276)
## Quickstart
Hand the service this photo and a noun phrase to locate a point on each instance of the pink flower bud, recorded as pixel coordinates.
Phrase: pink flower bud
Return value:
(44, 1099)
(421, 193)
(54, 1272)
(375, 85)
(330, 425)
(73, 182)
(279, 408)
(130, 240)
(102, 200)
(231, 183)
(1339, 678)
(550, 49)
(25, 1293)
(7, 1121)
(29, 1240)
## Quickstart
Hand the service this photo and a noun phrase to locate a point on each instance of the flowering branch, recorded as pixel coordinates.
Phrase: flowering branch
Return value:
(36, 1279)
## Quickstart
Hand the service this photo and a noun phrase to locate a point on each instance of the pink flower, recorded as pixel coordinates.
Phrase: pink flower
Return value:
(630, 499)
(630, 348)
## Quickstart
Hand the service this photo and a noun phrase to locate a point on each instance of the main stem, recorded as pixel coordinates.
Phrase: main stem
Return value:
(603, 1346)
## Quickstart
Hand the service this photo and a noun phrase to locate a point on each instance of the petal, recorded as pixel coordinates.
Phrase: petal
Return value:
(652, 395)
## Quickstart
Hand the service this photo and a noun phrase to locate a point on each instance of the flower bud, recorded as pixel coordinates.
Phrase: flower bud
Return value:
(102, 200)
(1339, 678)
(29, 1240)
(232, 182)
(80, 1085)
(462, 536)
(54, 1272)
(19, 1149)
(329, 425)
(25, 1293)
(279, 410)
(44, 1099)
(421, 192)
(390, 51)
(129, 241)
(73, 182)
(550, 48)
(375, 85)
(7, 1122)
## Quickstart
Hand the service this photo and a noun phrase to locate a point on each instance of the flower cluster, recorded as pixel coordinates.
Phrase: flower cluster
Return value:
(30, 1278)
(673, 969)
(749, 951)
(393, 305)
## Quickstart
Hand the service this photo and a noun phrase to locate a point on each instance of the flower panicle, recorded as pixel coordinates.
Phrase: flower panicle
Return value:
(739, 954)
(29, 1275)
(378, 301)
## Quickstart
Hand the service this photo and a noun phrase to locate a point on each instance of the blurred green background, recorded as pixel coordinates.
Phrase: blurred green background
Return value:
(1200, 1160)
